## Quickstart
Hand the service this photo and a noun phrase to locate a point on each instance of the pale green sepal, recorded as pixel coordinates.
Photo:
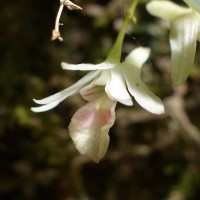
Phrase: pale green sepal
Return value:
(183, 37)
(166, 9)
(195, 4)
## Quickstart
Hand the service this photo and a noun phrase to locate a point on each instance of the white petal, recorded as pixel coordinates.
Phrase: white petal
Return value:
(138, 56)
(166, 9)
(87, 67)
(116, 87)
(46, 107)
(183, 38)
(90, 125)
(140, 92)
(70, 90)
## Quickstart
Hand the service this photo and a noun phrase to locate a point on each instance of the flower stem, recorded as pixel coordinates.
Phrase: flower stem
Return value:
(115, 52)
(71, 6)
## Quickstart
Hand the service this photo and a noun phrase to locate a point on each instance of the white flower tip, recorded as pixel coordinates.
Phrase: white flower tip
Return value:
(64, 65)
(146, 50)
(152, 6)
(142, 51)
(159, 110)
(127, 102)
(35, 109)
(36, 101)
(138, 56)
(41, 101)
(156, 106)
(40, 108)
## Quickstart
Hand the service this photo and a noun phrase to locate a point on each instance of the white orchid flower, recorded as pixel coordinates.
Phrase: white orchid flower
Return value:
(107, 84)
(184, 32)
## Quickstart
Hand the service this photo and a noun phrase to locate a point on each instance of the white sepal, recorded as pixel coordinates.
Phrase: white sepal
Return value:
(87, 67)
(140, 92)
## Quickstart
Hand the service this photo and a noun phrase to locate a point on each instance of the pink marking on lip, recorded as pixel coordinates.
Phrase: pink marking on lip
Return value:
(107, 116)
(87, 118)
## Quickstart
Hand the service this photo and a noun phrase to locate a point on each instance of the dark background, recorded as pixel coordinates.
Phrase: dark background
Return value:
(149, 158)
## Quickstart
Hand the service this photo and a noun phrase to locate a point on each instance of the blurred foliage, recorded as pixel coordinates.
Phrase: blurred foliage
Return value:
(149, 158)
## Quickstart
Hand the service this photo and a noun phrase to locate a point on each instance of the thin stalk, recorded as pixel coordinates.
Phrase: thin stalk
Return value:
(115, 52)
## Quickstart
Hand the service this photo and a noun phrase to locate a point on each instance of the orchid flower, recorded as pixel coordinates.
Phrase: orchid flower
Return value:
(185, 31)
(109, 82)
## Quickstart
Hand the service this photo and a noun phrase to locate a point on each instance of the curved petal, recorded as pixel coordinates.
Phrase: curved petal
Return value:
(183, 38)
(48, 106)
(140, 92)
(138, 56)
(87, 67)
(70, 90)
(90, 125)
(166, 9)
(116, 87)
